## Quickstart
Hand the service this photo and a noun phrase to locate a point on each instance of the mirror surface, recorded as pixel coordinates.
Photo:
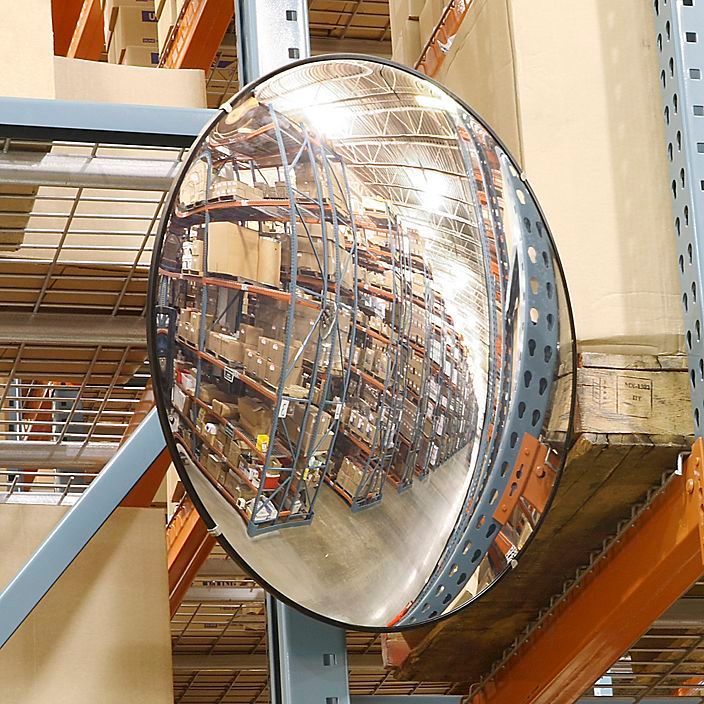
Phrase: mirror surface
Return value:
(362, 343)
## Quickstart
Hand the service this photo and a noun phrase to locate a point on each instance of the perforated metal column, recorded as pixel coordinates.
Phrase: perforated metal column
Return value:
(680, 43)
(534, 294)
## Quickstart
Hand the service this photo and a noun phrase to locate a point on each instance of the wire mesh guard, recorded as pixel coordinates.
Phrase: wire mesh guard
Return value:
(360, 327)
(77, 225)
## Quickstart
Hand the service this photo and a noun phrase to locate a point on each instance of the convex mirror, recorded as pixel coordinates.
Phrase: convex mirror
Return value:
(361, 343)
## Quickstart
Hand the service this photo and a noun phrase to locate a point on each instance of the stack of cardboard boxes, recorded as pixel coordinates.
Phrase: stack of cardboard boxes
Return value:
(349, 476)
(131, 32)
(234, 251)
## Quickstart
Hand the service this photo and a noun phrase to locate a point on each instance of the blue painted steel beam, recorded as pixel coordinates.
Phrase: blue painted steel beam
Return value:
(150, 125)
(79, 525)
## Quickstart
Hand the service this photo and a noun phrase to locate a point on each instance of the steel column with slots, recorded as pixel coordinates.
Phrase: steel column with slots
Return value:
(680, 43)
(307, 659)
(536, 362)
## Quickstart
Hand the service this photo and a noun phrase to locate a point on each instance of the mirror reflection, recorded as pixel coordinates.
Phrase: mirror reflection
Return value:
(362, 343)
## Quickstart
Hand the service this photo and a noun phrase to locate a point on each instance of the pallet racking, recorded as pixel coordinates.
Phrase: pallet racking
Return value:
(358, 277)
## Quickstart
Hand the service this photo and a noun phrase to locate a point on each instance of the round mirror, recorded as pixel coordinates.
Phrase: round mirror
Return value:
(361, 343)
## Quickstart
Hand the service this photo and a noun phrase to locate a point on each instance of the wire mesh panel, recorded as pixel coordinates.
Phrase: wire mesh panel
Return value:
(77, 224)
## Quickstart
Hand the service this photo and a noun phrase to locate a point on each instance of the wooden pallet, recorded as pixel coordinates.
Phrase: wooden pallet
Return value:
(633, 418)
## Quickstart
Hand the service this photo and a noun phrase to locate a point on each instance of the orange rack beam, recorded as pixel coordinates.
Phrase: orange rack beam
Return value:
(88, 40)
(656, 560)
(188, 545)
(64, 18)
(441, 38)
(197, 34)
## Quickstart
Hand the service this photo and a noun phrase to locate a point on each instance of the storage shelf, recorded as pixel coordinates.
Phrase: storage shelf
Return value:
(223, 458)
(220, 489)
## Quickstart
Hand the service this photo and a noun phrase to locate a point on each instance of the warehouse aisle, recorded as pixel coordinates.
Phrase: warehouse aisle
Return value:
(404, 535)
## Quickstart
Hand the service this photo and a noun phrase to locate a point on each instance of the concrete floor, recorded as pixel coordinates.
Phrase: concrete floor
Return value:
(357, 568)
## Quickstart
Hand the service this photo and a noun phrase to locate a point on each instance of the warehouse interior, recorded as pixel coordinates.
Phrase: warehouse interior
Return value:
(122, 191)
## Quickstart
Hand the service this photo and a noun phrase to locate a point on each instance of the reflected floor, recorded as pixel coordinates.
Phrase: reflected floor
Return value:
(346, 564)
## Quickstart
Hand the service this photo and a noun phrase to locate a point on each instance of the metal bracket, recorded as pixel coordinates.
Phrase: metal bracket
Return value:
(532, 479)
(694, 486)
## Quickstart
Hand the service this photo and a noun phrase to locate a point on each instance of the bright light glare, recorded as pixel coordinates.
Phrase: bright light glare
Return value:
(433, 188)
(318, 105)
(330, 122)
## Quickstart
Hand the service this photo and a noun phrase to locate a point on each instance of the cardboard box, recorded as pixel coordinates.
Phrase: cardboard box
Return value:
(403, 9)
(208, 392)
(232, 348)
(297, 428)
(234, 452)
(291, 382)
(135, 27)
(250, 334)
(255, 416)
(213, 466)
(429, 16)
(166, 19)
(406, 43)
(113, 55)
(213, 342)
(233, 250)
(310, 250)
(193, 256)
(51, 642)
(250, 362)
(592, 91)
(99, 81)
(323, 442)
(272, 373)
(112, 7)
(273, 350)
(140, 56)
(269, 261)
(260, 367)
(225, 409)
(349, 475)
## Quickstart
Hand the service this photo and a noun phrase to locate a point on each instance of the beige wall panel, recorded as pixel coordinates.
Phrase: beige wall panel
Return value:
(102, 632)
